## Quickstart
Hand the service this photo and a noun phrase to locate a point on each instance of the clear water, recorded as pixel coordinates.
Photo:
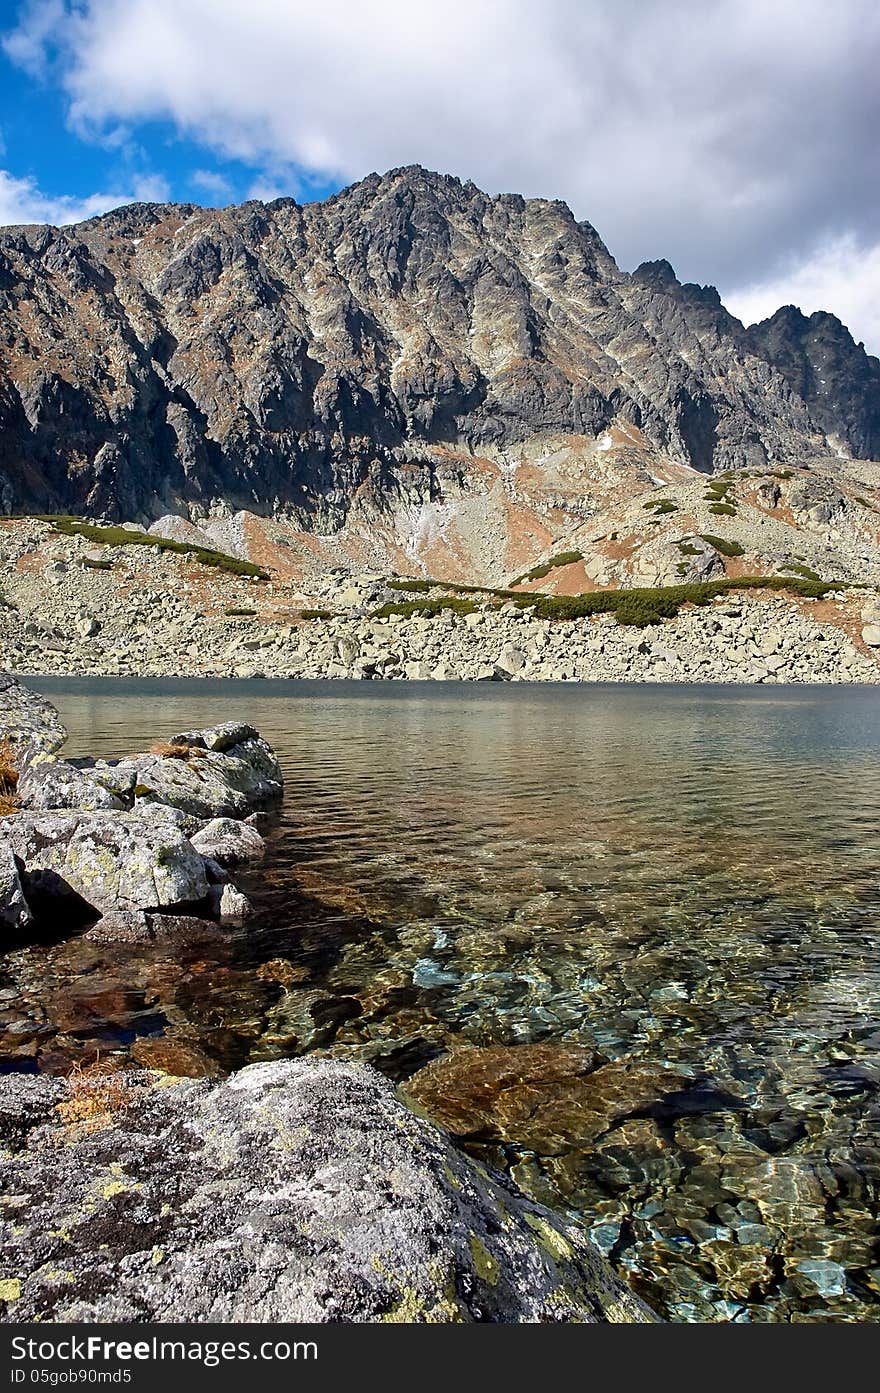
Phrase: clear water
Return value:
(675, 876)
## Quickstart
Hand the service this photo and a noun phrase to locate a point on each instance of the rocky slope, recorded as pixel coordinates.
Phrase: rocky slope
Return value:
(469, 376)
(143, 612)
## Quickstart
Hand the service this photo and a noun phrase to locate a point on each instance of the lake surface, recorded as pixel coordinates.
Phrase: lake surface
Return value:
(685, 879)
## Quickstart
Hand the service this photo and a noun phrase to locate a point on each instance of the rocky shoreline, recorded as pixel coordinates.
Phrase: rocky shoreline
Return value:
(301, 1190)
(132, 848)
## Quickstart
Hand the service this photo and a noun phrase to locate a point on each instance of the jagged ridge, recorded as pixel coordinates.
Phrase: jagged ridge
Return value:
(295, 359)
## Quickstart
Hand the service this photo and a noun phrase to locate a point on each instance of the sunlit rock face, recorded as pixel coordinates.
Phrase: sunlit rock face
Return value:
(380, 347)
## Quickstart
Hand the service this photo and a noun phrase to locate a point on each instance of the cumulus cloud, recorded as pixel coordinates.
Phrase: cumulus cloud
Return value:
(841, 275)
(723, 134)
(22, 201)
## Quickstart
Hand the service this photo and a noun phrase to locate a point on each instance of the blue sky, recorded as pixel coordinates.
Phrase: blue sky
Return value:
(154, 159)
(737, 138)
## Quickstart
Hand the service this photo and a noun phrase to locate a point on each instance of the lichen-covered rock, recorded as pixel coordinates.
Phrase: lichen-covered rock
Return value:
(28, 722)
(14, 910)
(54, 783)
(294, 1191)
(105, 860)
(228, 842)
(212, 783)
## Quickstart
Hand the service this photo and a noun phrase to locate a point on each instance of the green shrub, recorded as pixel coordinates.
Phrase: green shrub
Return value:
(421, 587)
(317, 614)
(661, 505)
(800, 570)
(722, 545)
(723, 509)
(687, 550)
(637, 607)
(563, 558)
(428, 608)
(97, 563)
(240, 613)
(112, 536)
(643, 606)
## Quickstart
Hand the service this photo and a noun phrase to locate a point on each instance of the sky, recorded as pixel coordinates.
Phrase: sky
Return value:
(736, 138)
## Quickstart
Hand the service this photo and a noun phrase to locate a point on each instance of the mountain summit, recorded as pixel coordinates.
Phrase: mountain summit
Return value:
(384, 345)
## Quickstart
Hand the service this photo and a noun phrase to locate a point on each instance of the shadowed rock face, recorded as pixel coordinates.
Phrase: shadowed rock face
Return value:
(294, 1191)
(166, 357)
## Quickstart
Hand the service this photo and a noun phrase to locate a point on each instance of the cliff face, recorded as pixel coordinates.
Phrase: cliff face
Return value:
(304, 359)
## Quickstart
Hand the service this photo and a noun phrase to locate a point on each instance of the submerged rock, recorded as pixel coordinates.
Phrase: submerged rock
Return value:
(293, 1191)
(544, 1097)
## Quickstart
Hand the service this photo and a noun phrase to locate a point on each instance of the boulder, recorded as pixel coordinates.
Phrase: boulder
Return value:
(232, 904)
(28, 722)
(54, 783)
(105, 860)
(871, 635)
(14, 910)
(228, 842)
(299, 1190)
(208, 784)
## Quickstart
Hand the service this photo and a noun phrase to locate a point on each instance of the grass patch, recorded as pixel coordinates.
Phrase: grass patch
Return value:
(95, 1094)
(112, 536)
(563, 558)
(722, 545)
(168, 750)
(8, 780)
(723, 509)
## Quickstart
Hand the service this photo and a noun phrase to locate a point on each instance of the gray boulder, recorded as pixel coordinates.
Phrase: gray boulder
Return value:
(228, 842)
(14, 910)
(300, 1190)
(209, 783)
(31, 724)
(108, 860)
(54, 783)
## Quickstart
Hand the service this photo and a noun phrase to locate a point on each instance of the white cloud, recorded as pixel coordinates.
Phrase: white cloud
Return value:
(722, 134)
(213, 184)
(21, 201)
(840, 274)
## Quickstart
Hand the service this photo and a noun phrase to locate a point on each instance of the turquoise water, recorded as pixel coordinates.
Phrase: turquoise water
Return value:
(673, 876)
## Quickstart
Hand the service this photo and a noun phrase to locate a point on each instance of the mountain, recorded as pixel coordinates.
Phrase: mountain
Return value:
(407, 343)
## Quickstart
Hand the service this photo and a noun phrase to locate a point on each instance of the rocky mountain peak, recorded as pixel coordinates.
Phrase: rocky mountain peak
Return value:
(300, 358)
